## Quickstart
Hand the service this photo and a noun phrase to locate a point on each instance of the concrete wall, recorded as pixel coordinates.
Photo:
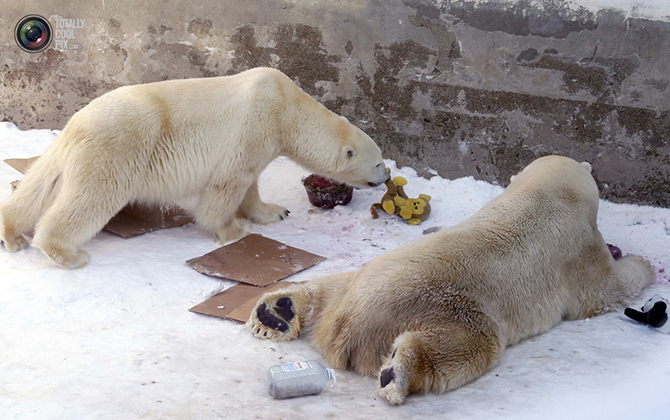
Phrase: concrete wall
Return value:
(463, 87)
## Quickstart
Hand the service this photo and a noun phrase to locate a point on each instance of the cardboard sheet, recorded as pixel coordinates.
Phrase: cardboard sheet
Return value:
(255, 260)
(237, 302)
(133, 219)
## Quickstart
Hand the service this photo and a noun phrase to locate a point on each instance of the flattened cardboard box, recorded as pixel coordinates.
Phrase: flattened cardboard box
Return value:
(255, 260)
(237, 302)
(133, 219)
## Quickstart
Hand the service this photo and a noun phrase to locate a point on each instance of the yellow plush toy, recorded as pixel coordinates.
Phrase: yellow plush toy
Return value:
(395, 201)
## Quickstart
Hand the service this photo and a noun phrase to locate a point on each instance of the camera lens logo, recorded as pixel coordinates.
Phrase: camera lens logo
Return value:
(33, 33)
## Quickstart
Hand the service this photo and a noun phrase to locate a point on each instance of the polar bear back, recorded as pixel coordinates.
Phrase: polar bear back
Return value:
(519, 260)
(175, 134)
(171, 140)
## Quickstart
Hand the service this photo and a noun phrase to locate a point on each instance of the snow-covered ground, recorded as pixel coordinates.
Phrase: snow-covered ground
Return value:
(116, 340)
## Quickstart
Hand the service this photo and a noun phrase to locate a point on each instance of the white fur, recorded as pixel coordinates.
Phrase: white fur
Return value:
(161, 142)
(437, 313)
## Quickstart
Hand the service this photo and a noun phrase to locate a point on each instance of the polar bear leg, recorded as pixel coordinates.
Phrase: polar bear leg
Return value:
(11, 227)
(259, 212)
(21, 211)
(617, 286)
(216, 208)
(436, 360)
(73, 219)
(235, 229)
(279, 316)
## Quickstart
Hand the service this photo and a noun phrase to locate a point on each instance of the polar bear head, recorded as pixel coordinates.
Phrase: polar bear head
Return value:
(341, 151)
(560, 178)
(556, 164)
(359, 161)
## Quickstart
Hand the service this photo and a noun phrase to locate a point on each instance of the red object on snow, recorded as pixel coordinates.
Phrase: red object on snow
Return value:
(327, 193)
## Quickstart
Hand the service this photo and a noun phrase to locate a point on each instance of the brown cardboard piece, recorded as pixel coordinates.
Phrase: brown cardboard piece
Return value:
(136, 219)
(237, 302)
(132, 220)
(21, 165)
(255, 260)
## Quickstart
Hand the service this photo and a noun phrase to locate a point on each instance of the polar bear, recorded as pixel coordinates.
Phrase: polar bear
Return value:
(436, 314)
(161, 142)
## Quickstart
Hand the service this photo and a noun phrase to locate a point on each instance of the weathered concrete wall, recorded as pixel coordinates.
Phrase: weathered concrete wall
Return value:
(465, 88)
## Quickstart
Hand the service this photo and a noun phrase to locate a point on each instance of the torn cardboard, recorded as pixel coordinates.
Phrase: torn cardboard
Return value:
(255, 260)
(132, 220)
(237, 302)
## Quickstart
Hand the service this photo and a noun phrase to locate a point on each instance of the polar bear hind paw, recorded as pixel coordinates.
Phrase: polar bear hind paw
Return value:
(274, 318)
(14, 245)
(393, 383)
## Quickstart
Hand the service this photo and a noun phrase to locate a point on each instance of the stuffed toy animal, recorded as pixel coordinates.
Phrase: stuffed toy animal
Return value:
(654, 313)
(414, 210)
(396, 201)
(387, 204)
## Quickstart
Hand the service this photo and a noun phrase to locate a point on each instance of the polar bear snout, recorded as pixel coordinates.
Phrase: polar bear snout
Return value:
(381, 177)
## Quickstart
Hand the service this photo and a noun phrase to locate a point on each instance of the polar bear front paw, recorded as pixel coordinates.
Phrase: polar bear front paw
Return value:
(68, 259)
(274, 318)
(236, 229)
(646, 267)
(637, 270)
(267, 213)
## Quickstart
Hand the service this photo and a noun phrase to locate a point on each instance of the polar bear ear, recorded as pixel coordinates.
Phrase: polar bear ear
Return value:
(512, 178)
(587, 166)
(344, 118)
(349, 151)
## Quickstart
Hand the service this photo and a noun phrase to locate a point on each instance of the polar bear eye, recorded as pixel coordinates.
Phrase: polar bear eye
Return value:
(350, 153)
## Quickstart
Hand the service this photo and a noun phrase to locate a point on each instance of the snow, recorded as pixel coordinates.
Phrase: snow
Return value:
(116, 340)
(646, 9)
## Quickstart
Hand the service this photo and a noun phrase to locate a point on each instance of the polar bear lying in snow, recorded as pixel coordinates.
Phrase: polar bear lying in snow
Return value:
(436, 314)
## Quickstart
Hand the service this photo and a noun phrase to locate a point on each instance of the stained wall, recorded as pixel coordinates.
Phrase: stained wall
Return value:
(462, 88)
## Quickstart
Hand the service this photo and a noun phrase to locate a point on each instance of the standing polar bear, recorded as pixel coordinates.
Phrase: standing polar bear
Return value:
(161, 142)
(436, 314)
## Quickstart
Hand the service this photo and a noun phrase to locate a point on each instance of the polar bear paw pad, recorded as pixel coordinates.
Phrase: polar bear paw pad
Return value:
(393, 380)
(386, 376)
(275, 321)
(283, 309)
